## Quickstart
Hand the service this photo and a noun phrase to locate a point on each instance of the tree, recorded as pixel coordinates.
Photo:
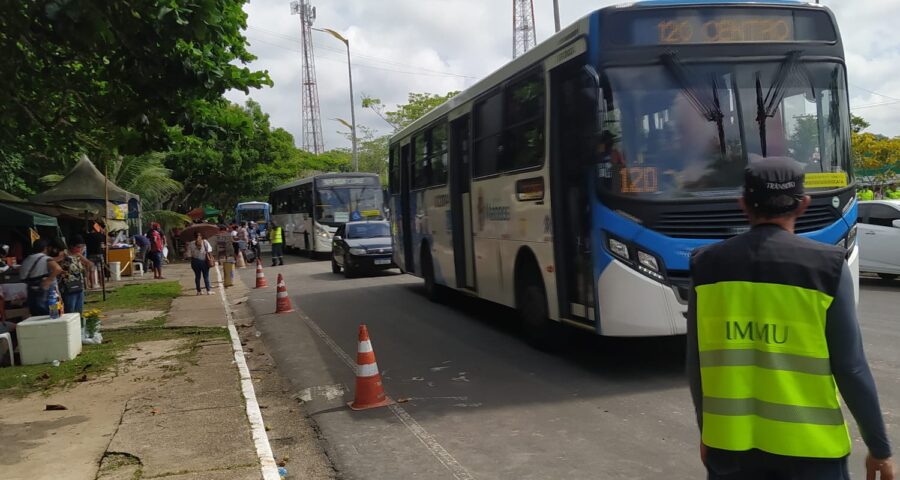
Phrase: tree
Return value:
(107, 77)
(876, 158)
(418, 105)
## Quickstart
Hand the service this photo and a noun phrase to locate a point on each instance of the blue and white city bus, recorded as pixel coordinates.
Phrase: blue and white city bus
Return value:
(574, 182)
(311, 209)
(258, 212)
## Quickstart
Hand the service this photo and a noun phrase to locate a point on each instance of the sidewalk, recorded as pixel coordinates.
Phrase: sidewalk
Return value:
(174, 408)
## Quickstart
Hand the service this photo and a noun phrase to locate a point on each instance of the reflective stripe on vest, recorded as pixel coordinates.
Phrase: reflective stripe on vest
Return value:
(766, 372)
(276, 235)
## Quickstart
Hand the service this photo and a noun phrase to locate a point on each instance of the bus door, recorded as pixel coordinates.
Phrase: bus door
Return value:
(574, 112)
(405, 217)
(461, 202)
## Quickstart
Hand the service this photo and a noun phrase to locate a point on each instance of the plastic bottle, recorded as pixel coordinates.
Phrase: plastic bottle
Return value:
(53, 304)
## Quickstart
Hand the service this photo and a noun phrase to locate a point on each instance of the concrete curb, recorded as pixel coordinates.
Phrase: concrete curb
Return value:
(268, 467)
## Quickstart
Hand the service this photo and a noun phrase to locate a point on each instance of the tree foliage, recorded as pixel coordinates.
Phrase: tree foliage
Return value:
(108, 77)
(876, 158)
(418, 104)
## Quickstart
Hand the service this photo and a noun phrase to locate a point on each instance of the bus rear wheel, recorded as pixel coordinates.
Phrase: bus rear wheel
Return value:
(433, 291)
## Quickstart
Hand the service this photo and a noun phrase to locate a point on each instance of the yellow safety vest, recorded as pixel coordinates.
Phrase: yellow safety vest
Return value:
(277, 236)
(764, 362)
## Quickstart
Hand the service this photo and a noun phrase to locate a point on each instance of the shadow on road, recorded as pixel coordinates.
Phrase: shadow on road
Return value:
(878, 284)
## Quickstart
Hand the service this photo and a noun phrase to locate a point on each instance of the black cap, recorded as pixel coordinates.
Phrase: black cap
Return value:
(773, 185)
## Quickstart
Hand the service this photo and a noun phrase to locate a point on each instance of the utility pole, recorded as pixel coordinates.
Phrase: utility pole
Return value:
(311, 119)
(556, 13)
(524, 36)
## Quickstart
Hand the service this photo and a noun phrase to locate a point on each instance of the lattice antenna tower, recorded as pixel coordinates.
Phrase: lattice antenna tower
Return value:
(524, 36)
(311, 119)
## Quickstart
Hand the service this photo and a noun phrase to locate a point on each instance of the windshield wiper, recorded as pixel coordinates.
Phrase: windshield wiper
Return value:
(710, 109)
(766, 107)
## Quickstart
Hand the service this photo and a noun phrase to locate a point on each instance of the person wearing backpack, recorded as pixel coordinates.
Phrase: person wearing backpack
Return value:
(74, 266)
(39, 271)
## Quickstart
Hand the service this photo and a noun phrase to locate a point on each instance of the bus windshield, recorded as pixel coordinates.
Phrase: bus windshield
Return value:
(336, 205)
(252, 214)
(682, 130)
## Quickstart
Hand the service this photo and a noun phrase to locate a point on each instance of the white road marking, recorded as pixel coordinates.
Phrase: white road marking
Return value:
(459, 472)
(330, 392)
(267, 463)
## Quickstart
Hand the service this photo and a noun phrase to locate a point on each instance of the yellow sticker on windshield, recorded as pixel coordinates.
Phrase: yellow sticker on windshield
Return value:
(371, 213)
(825, 180)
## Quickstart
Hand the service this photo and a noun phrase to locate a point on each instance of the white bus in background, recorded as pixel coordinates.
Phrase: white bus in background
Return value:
(311, 209)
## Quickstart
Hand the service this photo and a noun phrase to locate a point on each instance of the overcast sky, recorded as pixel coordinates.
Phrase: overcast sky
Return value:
(402, 46)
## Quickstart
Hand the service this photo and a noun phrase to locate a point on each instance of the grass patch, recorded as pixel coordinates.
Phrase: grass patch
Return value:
(96, 359)
(142, 296)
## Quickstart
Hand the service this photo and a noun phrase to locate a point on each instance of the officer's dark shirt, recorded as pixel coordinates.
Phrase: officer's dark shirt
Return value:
(848, 362)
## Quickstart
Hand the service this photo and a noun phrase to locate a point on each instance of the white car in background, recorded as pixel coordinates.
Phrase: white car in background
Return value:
(879, 238)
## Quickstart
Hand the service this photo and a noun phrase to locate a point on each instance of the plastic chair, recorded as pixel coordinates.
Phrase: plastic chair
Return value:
(138, 268)
(8, 338)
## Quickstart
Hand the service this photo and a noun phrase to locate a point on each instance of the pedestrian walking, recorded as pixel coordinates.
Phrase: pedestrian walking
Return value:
(243, 237)
(39, 272)
(72, 279)
(253, 231)
(157, 246)
(223, 242)
(201, 254)
(772, 337)
(277, 236)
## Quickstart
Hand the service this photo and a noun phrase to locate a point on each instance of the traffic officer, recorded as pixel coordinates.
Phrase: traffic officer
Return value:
(772, 336)
(277, 235)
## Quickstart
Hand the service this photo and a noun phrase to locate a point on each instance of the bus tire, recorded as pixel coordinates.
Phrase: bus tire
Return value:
(433, 291)
(531, 301)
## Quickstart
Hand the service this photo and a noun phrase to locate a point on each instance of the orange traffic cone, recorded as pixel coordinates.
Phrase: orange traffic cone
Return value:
(282, 301)
(369, 390)
(260, 276)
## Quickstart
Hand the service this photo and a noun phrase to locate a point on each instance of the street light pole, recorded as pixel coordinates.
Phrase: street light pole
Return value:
(556, 13)
(352, 102)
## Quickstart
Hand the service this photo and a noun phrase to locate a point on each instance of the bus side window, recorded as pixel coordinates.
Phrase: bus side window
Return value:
(488, 132)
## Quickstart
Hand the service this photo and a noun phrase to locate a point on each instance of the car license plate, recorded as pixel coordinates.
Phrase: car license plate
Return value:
(382, 261)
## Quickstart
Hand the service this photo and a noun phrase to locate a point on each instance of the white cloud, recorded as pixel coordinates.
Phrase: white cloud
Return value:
(402, 46)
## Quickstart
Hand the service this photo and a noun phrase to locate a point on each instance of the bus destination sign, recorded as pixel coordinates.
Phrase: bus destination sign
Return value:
(675, 26)
(724, 30)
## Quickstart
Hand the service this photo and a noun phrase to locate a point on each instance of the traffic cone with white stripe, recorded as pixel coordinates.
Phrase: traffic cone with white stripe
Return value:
(282, 301)
(369, 390)
(260, 276)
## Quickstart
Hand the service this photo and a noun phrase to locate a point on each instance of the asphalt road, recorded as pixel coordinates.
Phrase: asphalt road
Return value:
(479, 403)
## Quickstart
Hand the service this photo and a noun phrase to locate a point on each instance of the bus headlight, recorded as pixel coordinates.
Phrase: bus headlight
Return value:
(618, 249)
(648, 261)
(322, 232)
(851, 237)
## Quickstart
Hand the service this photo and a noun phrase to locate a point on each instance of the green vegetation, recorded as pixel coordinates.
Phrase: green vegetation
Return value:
(98, 359)
(143, 296)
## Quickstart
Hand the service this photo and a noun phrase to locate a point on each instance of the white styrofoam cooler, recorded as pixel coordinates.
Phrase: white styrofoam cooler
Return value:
(42, 340)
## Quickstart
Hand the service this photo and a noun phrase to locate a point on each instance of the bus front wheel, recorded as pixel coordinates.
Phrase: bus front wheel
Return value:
(539, 330)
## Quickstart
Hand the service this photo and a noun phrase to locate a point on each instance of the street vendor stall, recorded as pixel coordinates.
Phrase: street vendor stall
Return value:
(18, 228)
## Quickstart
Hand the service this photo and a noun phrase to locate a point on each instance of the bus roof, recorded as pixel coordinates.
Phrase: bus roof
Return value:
(254, 203)
(304, 181)
(550, 45)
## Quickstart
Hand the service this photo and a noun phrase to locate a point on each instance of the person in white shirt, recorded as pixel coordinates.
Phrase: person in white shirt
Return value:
(199, 251)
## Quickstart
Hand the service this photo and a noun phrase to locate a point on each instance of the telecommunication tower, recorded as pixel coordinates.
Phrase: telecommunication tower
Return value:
(312, 121)
(524, 36)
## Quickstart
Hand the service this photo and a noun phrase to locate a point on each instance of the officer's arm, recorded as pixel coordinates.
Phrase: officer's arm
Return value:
(692, 362)
(851, 370)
